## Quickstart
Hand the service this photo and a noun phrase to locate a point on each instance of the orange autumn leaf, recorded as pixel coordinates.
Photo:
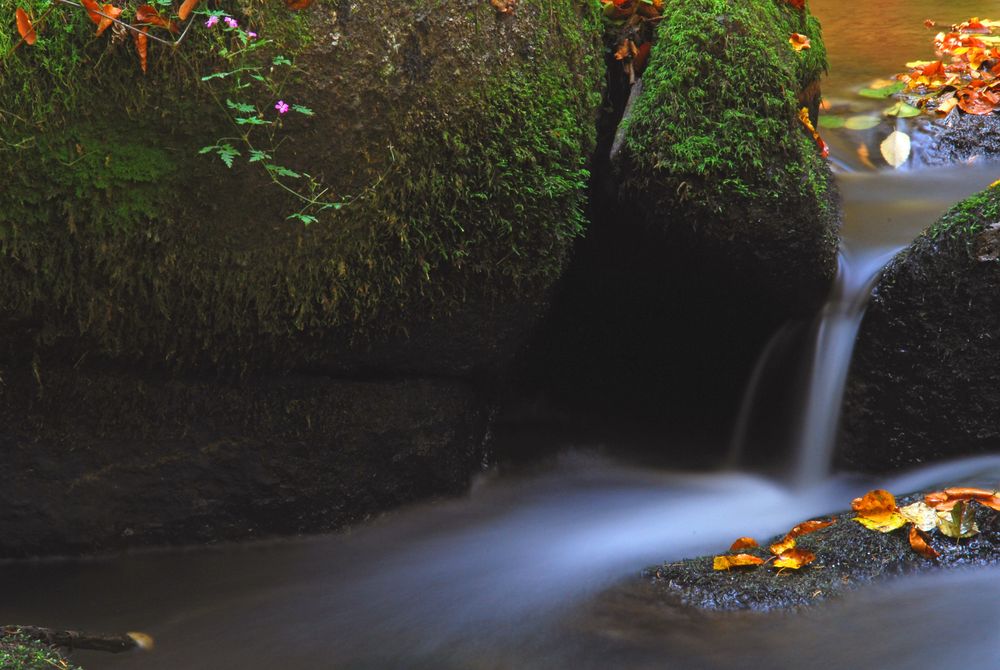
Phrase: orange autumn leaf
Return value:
(918, 541)
(784, 545)
(824, 150)
(24, 27)
(944, 501)
(186, 8)
(735, 561)
(877, 511)
(142, 48)
(794, 559)
(743, 543)
(93, 10)
(502, 6)
(799, 41)
(149, 15)
(111, 12)
(811, 526)
(641, 56)
(928, 23)
(972, 101)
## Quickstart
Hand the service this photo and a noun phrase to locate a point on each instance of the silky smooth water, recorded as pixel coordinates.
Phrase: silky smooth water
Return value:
(517, 574)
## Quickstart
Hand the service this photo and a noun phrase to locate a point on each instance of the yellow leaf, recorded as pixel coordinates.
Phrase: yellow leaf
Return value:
(799, 41)
(735, 561)
(743, 543)
(877, 511)
(958, 523)
(810, 526)
(921, 515)
(794, 559)
(785, 544)
(896, 148)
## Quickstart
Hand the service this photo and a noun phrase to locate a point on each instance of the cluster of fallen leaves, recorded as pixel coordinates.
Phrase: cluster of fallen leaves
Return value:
(635, 22)
(949, 511)
(107, 15)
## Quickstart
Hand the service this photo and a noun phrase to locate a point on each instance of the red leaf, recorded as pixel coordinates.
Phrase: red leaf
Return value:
(507, 7)
(641, 56)
(142, 48)
(186, 8)
(24, 27)
(110, 11)
(93, 10)
(797, 4)
(148, 14)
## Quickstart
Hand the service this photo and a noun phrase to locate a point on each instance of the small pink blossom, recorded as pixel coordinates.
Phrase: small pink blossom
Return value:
(212, 20)
(251, 35)
(282, 107)
(230, 22)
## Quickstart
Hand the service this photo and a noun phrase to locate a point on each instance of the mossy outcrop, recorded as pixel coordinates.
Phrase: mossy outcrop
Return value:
(924, 383)
(714, 155)
(182, 362)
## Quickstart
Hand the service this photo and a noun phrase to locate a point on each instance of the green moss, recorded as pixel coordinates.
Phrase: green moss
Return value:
(968, 216)
(18, 652)
(717, 124)
(468, 188)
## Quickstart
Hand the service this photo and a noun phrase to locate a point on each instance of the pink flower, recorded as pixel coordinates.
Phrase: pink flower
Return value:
(282, 107)
(251, 35)
(230, 22)
(212, 20)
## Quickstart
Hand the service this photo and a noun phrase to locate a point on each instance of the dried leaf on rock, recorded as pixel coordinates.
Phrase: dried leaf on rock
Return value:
(958, 523)
(799, 41)
(919, 542)
(735, 561)
(787, 543)
(24, 27)
(896, 150)
(186, 8)
(810, 526)
(794, 559)
(921, 515)
(743, 543)
(877, 511)
(946, 500)
(979, 102)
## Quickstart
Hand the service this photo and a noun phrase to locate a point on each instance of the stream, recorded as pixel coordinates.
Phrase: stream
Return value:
(535, 567)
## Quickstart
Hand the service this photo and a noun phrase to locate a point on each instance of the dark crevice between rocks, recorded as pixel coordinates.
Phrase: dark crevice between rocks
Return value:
(644, 350)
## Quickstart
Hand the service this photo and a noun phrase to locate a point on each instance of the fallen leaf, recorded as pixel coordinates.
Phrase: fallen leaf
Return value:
(824, 150)
(142, 47)
(946, 500)
(502, 6)
(186, 8)
(880, 90)
(902, 110)
(641, 56)
(735, 561)
(111, 12)
(794, 559)
(929, 24)
(811, 526)
(921, 515)
(945, 106)
(149, 15)
(799, 41)
(959, 522)
(780, 547)
(861, 122)
(743, 543)
(896, 150)
(797, 4)
(864, 157)
(877, 509)
(919, 543)
(24, 27)
(93, 10)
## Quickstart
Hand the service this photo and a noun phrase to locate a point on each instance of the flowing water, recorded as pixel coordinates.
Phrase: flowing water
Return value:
(516, 575)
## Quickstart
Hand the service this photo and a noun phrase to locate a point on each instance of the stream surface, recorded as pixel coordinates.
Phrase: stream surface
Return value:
(519, 573)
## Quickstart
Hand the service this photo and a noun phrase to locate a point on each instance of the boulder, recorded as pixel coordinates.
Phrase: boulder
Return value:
(924, 383)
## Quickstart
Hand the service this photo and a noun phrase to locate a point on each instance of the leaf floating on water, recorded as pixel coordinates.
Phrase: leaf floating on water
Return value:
(921, 515)
(896, 148)
(862, 122)
(828, 121)
(959, 523)
(24, 27)
(743, 543)
(735, 561)
(786, 544)
(902, 110)
(919, 543)
(794, 559)
(877, 511)
(810, 526)
(881, 90)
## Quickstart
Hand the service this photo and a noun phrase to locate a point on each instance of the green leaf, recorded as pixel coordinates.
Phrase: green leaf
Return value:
(306, 219)
(258, 155)
(252, 120)
(205, 150)
(280, 60)
(303, 110)
(281, 171)
(883, 91)
(832, 121)
(227, 153)
(902, 110)
(241, 107)
(862, 122)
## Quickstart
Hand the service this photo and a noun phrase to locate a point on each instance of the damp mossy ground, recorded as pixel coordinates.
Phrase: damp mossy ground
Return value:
(18, 652)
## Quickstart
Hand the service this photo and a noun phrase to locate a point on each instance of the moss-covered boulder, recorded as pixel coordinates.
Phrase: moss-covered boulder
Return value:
(453, 140)
(714, 155)
(925, 380)
(182, 358)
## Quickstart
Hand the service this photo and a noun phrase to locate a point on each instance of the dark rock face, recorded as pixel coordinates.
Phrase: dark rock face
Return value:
(95, 459)
(925, 380)
(848, 556)
(961, 138)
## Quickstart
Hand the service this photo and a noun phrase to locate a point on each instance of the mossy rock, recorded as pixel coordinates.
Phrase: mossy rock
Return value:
(924, 383)
(456, 137)
(714, 155)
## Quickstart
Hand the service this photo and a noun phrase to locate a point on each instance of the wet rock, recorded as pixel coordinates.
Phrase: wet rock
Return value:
(960, 138)
(715, 159)
(925, 380)
(848, 556)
